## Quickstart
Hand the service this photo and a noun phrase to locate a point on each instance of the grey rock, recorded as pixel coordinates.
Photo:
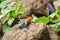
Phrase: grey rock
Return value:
(33, 32)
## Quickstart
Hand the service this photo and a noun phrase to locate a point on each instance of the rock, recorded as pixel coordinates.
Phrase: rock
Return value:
(45, 35)
(58, 34)
(33, 32)
(57, 4)
(54, 35)
(36, 7)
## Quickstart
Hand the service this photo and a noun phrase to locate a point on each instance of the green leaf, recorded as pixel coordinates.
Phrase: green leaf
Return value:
(52, 15)
(23, 10)
(56, 20)
(42, 20)
(4, 3)
(1, 16)
(5, 11)
(6, 18)
(6, 28)
(19, 12)
(34, 18)
(58, 14)
(55, 26)
(16, 8)
(10, 21)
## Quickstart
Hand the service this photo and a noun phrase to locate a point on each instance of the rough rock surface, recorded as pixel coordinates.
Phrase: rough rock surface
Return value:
(54, 35)
(33, 32)
(37, 7)
(57, 4)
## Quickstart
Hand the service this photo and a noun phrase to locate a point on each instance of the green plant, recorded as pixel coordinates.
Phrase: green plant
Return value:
(58, 14)
(10, 15)
(13, 14)
(55, 26)
(53, 18)
(4, 3)
(6, 28)
(43, 20)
